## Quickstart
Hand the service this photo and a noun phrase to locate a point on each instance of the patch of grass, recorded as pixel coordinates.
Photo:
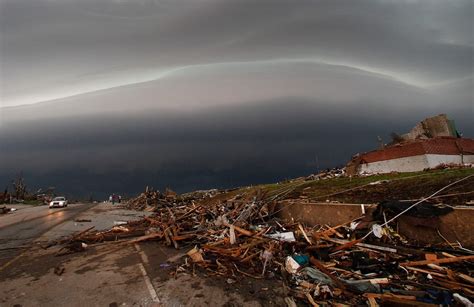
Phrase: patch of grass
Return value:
(412, 185)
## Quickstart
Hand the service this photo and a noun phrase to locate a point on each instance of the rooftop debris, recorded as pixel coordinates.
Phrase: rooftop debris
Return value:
(433, 136)
(364, 261)
(328, 174)
(432, 127)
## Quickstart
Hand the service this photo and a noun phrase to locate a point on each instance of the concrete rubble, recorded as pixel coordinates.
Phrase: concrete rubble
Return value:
(431, 127)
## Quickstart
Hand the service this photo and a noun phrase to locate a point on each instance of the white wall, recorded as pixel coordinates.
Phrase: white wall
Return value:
(435, 160)
(407, 164)
(468, 159)
(413, 164)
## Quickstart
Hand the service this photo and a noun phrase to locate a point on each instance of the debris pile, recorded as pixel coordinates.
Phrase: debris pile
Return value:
(152, 200)
(364, 261)
(5, 210)
(328, 174)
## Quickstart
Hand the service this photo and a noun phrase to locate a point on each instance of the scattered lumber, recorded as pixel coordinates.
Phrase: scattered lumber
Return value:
(320, 265)
(438, 261)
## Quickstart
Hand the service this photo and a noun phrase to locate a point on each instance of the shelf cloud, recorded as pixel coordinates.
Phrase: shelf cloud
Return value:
(196, 94)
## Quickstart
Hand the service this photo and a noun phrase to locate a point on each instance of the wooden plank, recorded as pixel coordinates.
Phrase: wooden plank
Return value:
(311, 300)
(431, 257)
(373, 281)
(390, 295)
(245, 232)
(453, 284)
(438, 261)
(346, 245)
(376, 247)
(372, 302)
(360, 244)
(318, 234)
(425, 271)
(146, 237)
(305, 235)
(183, 237)
(465, 277)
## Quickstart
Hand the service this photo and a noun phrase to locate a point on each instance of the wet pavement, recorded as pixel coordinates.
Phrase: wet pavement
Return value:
(18, 236)
(109, 273)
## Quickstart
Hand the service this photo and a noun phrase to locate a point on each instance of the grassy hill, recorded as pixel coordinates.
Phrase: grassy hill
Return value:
(369, 189)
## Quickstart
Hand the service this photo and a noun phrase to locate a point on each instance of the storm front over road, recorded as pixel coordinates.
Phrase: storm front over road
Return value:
(101, 96)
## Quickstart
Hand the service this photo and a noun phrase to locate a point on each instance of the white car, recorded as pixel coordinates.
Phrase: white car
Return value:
(58, 202)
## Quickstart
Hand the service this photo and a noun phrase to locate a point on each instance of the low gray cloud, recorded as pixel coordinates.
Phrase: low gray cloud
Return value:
(208, 93)
(224, 146)
(52, 49)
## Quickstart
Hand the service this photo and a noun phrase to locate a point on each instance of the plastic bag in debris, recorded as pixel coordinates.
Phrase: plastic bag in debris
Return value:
(267, 255)
(291, 265)
(462, 300)
(283, 236)
(301, 259)
(362, 286)
(317, 276)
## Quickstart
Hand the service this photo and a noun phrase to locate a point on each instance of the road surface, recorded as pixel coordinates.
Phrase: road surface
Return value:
(104, 274)
(16, 237)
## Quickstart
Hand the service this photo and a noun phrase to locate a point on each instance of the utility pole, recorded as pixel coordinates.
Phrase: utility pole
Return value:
(317, 164)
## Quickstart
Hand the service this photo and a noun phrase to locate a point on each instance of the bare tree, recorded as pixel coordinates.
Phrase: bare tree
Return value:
(396, 138)
(20, 188)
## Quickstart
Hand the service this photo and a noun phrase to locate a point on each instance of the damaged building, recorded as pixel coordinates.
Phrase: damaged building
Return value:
(431, 143)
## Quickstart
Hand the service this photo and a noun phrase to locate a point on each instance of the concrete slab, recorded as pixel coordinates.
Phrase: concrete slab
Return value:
(455, 226)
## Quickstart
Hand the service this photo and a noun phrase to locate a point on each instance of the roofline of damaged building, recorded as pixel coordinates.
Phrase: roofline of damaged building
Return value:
(443, 145)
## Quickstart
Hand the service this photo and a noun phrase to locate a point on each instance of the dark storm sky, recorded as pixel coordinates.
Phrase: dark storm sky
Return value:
(102, 96)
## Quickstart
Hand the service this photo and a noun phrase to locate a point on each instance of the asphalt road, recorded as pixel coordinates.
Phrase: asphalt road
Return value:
(16, 238)
(104, 274)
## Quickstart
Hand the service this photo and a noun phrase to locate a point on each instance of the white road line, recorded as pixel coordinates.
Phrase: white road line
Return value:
(148, 283)
(142, 254)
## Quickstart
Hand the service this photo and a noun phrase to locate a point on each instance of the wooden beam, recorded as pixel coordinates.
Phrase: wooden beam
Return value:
(437, 261)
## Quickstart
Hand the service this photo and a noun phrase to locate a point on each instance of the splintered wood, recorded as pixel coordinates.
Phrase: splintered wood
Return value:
(320, 265)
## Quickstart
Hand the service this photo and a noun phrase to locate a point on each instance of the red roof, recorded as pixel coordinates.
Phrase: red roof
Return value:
(439, 146)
